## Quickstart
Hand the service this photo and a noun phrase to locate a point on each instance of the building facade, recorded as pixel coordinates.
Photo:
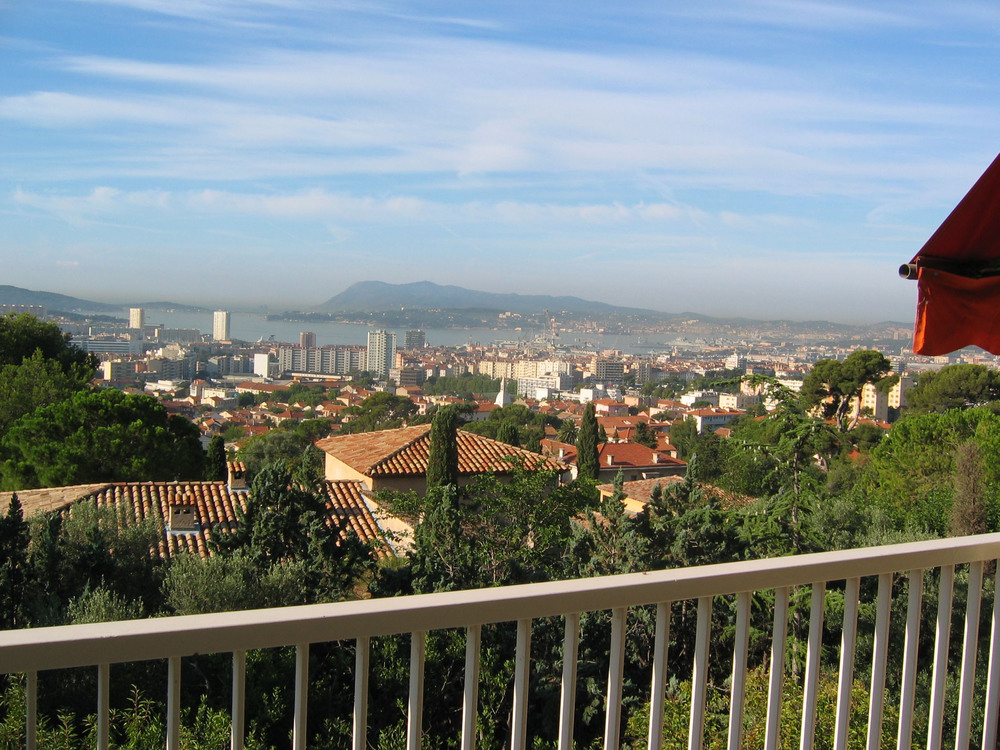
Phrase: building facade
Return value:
(381, 353)
(414, 340)
(220, 325)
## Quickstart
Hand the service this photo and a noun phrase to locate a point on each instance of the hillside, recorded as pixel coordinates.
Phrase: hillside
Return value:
(13, 295)
(369, 296)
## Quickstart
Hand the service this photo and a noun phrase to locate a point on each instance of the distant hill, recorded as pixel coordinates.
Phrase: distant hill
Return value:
(373, 296)
(52, 302)
(13, 295)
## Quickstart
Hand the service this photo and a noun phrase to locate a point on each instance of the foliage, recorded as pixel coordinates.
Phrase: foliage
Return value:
(507, 433)
(288, 445)
(13, 565)
(286, 524)
(959, 386)
(684, 437)
(644, 435)
(442, 458)
(37, 381)
(380, 411)
(74, 554)
(587, 461)
(216, 459)
(608, 540)
(102, 605)
(224, 583)
(103, 436)
(911, 473)
(968, 509)
(501, 532)
(567, 432)
(23, 335)
(466, 386)
(831, 385)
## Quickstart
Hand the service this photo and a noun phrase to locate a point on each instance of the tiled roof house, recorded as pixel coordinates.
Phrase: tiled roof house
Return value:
(188, 513)
(397, 459)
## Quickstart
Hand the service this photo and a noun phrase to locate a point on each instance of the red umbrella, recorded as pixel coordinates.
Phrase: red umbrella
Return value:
(958, 275)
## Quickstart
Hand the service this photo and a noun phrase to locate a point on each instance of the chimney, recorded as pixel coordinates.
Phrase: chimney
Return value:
(562, 454)
(182, 515)
(611, 460)
(237, 476)
(656, 457)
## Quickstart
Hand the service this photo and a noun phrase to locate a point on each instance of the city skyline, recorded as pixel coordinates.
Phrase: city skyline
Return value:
(762, 159)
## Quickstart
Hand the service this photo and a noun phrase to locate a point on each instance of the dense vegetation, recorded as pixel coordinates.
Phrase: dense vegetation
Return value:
(810, 484)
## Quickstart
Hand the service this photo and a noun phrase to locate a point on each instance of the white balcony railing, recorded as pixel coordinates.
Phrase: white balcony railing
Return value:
(171, 639)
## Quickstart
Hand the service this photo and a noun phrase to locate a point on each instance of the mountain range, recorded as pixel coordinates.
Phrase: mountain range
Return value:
(376, 296)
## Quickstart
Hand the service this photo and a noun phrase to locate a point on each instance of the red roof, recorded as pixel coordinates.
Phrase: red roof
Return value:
(215, 504)
(404, 452)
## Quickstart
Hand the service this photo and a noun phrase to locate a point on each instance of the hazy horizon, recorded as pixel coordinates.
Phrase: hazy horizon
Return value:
(249, 306)
(751, 158)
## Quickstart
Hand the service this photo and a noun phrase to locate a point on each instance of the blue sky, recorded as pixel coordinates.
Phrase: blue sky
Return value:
(768, 159)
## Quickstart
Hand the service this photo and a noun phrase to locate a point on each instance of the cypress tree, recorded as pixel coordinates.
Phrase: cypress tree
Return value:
(215, 463)
(442, 459)
(13, 565)
(587, 462)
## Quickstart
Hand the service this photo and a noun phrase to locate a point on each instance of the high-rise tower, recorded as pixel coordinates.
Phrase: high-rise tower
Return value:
(136, 318)
(381, 353)
(220, 325)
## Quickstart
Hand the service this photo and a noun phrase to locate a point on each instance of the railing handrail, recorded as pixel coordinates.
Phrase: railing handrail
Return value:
(37, 649)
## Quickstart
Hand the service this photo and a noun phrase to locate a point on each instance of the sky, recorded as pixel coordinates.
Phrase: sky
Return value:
(757, 158)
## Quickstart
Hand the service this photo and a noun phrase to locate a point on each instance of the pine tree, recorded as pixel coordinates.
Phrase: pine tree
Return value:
(442, 459)
(507, 433)
(587, 461)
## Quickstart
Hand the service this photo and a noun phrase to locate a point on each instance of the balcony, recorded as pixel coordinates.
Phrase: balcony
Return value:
(864, 580)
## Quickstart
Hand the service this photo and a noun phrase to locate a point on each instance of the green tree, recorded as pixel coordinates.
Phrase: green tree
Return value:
(37, 381)
(14, 539)
(23, 335)
(230, 582)
(286, 524)
(684, 437)
(587, 461)
(954, 387)
(567, 432)
(442, 459)
(833, 385)
(507, 433)
(287, 444)
(912, 472)
(216, 461)
(100, 436)
(380, 411)
(644, 435)
(968, 509)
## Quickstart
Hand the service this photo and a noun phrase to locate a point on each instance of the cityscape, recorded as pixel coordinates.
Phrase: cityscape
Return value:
(411, 375)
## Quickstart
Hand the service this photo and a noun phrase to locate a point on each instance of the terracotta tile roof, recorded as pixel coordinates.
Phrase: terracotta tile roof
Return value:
(50, 499)
(137, 501)
(345, 501)
(633, 454)
(404, 452)
(214, 504)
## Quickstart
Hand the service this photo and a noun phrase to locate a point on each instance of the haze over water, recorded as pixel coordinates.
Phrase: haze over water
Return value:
(252, 327)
